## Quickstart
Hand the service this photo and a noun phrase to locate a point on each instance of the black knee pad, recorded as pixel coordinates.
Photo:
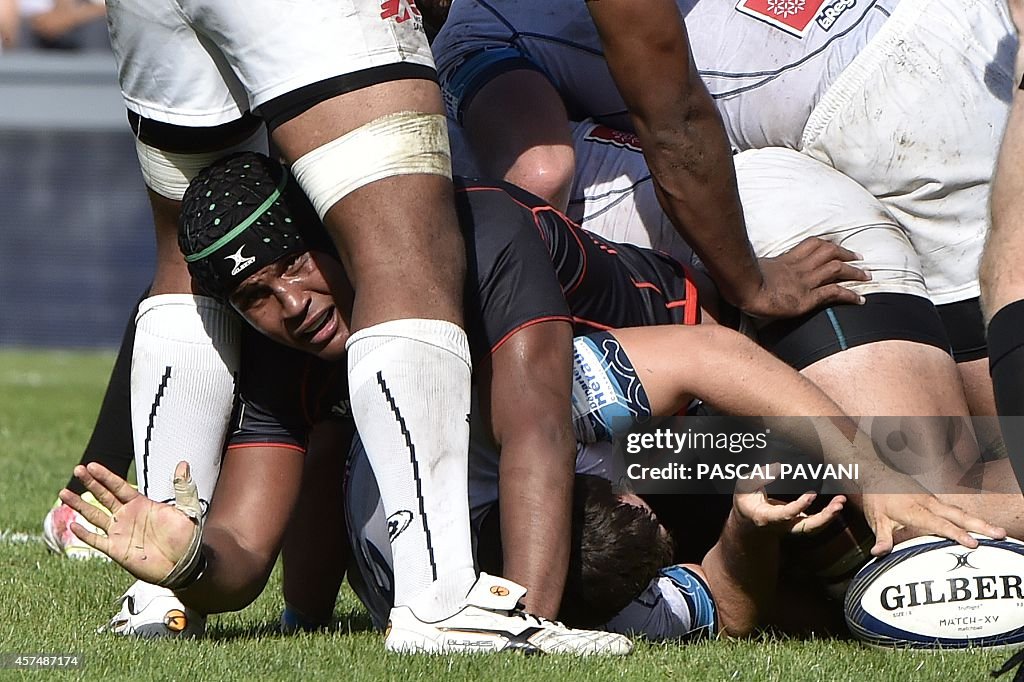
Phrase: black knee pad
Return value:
(1006, 358)
(1006, 364)
(804, 340)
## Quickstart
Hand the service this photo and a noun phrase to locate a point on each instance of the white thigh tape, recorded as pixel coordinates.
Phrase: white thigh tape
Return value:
(405, 143)
(168, 173)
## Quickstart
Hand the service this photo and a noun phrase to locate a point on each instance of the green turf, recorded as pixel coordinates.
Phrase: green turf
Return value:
(48, 402)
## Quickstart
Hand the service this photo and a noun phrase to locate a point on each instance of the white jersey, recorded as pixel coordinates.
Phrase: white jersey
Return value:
(613, 196)
(767, 63)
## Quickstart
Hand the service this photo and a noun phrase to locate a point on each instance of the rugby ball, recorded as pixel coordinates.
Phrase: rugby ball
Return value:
(932, 593)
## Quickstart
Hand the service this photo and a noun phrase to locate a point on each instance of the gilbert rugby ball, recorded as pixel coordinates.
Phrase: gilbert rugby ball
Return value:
(930, 592)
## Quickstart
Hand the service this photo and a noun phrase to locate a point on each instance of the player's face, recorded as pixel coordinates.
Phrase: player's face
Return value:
(302, 301)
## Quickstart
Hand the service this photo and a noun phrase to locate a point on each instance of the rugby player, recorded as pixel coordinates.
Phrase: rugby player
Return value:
(287, 300)
(860, 86)
(327, 82)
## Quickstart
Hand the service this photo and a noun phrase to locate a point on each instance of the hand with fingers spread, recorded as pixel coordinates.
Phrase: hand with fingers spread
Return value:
(923, 512)
(804, 278)
(759, 510)
(156, 542)
(752, 506)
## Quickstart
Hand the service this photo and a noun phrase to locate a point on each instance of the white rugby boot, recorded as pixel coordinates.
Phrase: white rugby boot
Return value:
(491, 621)
(150, 611)
(57, 530)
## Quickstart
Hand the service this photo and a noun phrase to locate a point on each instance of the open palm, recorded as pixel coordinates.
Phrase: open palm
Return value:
(147, 538)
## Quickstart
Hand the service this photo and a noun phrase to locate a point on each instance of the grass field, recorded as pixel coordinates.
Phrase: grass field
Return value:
(48, 402)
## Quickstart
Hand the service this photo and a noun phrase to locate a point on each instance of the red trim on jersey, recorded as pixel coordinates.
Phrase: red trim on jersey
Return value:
(591, 323)
(692, 304)
(286, 446)
(647, 285)
(535, 210)
(524, 325)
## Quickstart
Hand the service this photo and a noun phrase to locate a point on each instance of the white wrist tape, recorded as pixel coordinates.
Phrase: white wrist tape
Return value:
(168, 173)
(186, 499)
(405, 143)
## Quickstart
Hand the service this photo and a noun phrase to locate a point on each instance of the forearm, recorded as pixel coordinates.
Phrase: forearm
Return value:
(738, 377)
(691, 163)
(682, 135)
(234, 575)
(535, 497)
(742, 572)
(316, 550)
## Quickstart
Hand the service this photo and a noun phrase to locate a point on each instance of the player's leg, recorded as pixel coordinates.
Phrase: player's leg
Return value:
(409, 366)
(889, 356)
(909, 66)
(1003, 286)
(186, 344)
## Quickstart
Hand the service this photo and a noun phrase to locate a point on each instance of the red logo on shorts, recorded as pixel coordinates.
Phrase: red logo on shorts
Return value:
(617, 138)
(399, 10)
(792, 16)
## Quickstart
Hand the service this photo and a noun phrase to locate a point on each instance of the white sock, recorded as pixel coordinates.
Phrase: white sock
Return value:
(183, 388)
(409, 385)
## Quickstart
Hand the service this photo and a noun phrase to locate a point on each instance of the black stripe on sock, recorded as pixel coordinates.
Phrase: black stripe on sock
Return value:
(415, 468)
(144, 476)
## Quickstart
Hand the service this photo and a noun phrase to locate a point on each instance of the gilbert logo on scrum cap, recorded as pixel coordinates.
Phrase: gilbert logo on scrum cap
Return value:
(792, 16)
(241, 261)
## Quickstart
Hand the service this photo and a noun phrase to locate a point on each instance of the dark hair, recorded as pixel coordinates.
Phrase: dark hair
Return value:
(617, 549)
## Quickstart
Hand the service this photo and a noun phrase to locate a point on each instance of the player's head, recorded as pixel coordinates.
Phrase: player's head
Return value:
(618, 547)
(251, 237)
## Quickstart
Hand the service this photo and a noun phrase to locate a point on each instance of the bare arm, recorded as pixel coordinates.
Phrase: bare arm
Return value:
(742, 568)
(519, 131)
(687, 150)
(316, 549)
(738, 377)
(255, 495)
(240, 538)
(529, 396)
(682, 135)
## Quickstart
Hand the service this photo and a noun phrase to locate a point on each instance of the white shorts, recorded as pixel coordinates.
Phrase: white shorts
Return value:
(917, 119)
(202, 63)
(786, 198)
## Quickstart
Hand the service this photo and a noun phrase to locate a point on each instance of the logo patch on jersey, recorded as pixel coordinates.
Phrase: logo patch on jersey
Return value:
(399, 10)
(792, 16)
(831, 12)
(398, 522)
(616, 138)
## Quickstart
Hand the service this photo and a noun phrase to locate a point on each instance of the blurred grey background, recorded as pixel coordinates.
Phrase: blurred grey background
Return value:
(76, 236)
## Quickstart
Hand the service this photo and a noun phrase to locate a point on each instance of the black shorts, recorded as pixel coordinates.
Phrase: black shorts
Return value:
(804, 340)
